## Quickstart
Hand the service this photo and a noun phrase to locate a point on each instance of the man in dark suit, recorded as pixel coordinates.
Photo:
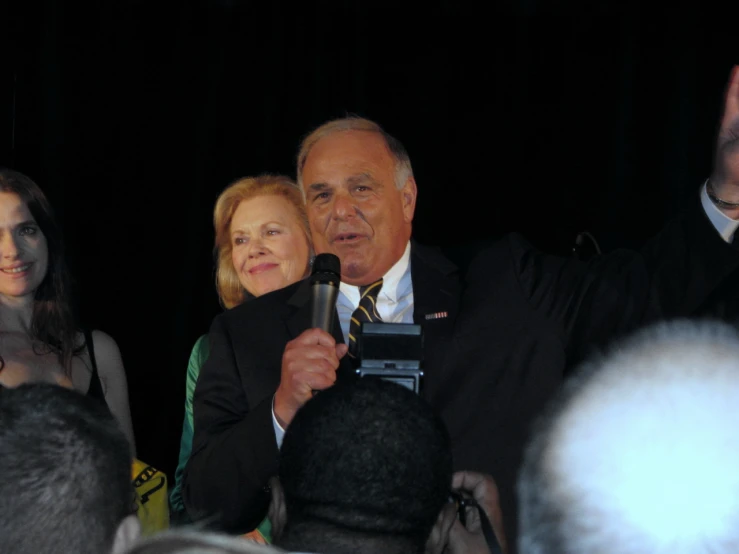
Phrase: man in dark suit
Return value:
(497, 340)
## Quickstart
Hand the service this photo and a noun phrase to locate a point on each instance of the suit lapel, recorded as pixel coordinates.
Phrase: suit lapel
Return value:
(436, 292)
(298, 318)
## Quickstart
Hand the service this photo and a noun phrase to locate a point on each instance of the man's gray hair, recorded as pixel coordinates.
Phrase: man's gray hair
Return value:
(639, 452)
(403, 169)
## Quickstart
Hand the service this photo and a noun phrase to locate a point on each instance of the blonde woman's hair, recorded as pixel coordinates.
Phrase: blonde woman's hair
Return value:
(230, 291)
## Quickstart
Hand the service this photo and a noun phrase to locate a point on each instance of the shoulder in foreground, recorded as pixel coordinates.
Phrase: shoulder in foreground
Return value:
(175, 541)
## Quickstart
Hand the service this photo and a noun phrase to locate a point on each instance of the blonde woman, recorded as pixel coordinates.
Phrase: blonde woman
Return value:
(262, 244)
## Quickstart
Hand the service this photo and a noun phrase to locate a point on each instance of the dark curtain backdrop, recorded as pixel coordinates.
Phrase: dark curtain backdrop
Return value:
(546, 118)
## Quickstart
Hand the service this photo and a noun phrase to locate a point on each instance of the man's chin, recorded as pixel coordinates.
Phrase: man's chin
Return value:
(355, 263)
(358, 274)
(349, 256)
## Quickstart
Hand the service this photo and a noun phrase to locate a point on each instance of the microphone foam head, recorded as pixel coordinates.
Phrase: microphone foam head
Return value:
(326, 263)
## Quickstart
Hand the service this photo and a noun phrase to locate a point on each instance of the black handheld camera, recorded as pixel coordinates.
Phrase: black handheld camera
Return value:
(391, 351)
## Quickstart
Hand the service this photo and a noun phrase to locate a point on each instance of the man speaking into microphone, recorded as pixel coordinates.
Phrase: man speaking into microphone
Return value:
(497, 340)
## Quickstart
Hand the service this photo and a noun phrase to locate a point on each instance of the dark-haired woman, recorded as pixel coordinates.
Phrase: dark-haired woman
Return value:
(39, 338)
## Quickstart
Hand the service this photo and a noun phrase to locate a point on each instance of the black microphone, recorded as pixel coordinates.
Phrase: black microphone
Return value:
(324, 281)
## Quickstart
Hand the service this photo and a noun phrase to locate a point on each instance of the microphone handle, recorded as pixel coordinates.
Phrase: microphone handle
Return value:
(324, 306)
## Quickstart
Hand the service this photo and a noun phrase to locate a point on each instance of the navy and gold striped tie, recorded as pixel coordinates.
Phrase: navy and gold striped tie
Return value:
(366, 312)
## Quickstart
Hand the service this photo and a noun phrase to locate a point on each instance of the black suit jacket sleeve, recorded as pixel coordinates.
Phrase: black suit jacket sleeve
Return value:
(234, 447)
(593, 302)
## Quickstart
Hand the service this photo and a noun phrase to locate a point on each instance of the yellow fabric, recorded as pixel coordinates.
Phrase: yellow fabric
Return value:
(152, 503)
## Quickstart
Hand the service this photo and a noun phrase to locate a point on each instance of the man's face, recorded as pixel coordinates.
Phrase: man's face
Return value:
(354, 207)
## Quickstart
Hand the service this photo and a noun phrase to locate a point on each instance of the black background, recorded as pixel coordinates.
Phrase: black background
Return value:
(549, 118)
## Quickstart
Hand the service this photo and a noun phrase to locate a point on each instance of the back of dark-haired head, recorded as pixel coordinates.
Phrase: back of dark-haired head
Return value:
(368, 460)
(638, 452)
(53, 323)
(65, 472)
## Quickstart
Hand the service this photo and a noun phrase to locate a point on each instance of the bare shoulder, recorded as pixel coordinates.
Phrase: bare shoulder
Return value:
(105, 346)
(107, 357)
(113, 376)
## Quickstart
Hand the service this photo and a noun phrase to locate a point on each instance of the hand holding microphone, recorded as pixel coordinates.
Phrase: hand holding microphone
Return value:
(310, 360)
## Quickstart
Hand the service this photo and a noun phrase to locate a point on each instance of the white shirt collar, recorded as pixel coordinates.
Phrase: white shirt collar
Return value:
(394, 285)
(725, 226)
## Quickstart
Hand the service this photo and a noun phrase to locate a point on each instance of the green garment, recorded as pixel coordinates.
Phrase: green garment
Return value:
(198, 356)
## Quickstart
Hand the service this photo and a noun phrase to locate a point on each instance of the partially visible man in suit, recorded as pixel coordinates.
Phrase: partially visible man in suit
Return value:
(65, 474)
(639, 452)
(497, 340)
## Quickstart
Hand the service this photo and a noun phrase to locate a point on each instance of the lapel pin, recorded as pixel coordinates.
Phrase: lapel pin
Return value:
(437, 315)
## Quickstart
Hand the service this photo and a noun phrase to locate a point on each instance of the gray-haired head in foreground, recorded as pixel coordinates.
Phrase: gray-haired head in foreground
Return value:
(639, 453)
(403, 169)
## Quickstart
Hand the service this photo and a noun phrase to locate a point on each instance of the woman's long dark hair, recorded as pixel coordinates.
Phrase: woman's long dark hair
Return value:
(52, 323)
